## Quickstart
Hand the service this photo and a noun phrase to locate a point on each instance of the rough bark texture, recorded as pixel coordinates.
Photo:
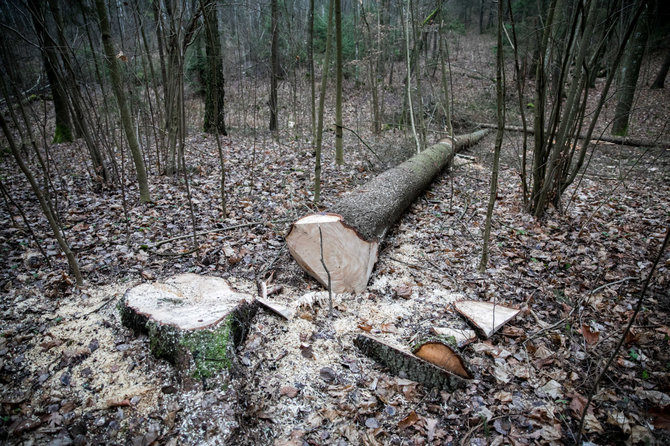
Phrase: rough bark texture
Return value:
(408, 366)
(628, 75)
(192, 321)
(659, 82)
(374, 207)
(215, 88)
(126, 118)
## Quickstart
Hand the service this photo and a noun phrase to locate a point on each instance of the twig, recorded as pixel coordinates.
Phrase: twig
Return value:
(330, 288)
(364, 143)
(100, 307)
(626, 330)
(211, 231)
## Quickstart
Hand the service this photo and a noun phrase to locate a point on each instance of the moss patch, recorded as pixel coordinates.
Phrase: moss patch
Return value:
(209, 349)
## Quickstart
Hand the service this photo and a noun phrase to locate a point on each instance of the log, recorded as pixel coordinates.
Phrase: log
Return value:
(622, 140)
(193, 321)
(352, 230)
(408, 366)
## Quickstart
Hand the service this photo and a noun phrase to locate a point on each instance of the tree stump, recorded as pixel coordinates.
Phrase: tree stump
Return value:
(193, 321)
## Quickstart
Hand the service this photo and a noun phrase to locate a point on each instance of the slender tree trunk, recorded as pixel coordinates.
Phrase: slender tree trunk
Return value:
(310, 55)
(274, 75)
(500, 102)
(119, 93)
(214, 102)
(663, 72)
(628, 75)
(322, 100)
(44, 204)
(339, 152)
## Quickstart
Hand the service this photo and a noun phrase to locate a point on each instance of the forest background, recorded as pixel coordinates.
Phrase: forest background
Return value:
(143, 139)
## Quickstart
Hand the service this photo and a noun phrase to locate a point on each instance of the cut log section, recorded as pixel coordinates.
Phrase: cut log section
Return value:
(406, 365)
(192, 321)
(485, 317)
(442, 356)
(351, 232)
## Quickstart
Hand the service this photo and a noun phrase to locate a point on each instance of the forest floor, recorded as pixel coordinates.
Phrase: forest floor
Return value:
(72, 374)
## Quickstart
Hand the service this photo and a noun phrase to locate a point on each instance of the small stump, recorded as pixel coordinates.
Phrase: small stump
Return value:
(193, 321)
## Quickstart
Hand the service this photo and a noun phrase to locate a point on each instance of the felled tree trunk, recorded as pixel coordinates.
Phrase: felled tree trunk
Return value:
(346, 239)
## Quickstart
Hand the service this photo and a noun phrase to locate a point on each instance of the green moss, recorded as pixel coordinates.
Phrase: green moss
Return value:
(209, 349)
(62, 134)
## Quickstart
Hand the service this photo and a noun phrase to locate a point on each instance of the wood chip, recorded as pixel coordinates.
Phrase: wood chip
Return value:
(485, 317)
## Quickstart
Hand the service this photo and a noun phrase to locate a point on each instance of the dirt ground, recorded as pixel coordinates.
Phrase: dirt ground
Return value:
(70, 373)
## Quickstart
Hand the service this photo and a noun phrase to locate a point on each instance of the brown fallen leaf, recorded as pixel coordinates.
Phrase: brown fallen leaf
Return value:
(590, 336)
(409, 420)
(365, 327)
(403, 291)
(289, 391)
(48, 345)
(116, 403)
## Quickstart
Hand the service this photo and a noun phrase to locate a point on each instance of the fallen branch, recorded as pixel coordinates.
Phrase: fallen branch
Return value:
(622, 140)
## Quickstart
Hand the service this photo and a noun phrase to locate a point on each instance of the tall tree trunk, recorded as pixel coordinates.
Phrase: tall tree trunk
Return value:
(500, 102)
(274, 56)
(663, 72)
(628, 74)
(310, 62)
(63, 131)
(322, 100)
(339, 152)
(119, 93)
(214, 101)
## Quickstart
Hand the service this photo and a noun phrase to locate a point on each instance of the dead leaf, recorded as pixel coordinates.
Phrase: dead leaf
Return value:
(409, 420)
(365, 327)
(403, 291)
(118, 403)
(289, 391)
(590, 336)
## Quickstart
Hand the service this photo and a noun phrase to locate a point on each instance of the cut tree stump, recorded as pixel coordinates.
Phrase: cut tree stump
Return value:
(353, 228)
(193, 321)
(406, 365)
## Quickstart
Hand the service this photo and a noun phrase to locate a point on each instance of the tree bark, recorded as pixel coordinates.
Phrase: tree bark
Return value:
(339, 152)
(214, 101)
(358, 222)
(274, 56)
(630, 70)
(663, 72)
(126, 119)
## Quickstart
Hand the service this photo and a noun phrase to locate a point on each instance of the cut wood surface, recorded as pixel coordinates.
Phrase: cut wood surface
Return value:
(406, 365)
(442, 356)
(192, 321)
(355, 225)
(485, 317)
(461, 336)
(623, 140)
